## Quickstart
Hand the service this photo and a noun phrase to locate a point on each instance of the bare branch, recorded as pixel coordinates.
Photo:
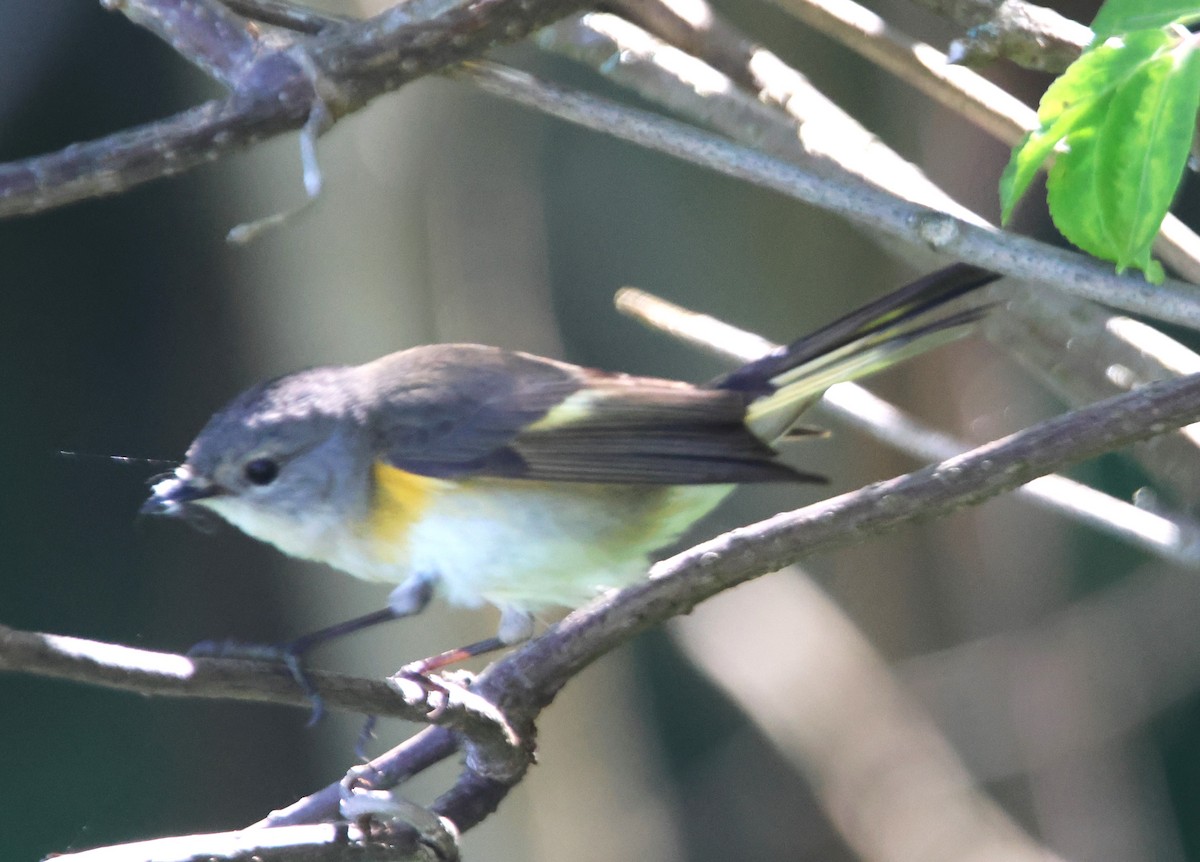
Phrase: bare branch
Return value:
(411, 757)
(495, 748)
(325, 842)
(205, 32)
(276, 90)
(972, 96)
(866, 739)
(156, 673)
(1030, 35)
(940, 232)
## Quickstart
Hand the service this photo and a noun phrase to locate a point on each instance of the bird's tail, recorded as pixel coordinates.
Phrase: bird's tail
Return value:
(882, 333)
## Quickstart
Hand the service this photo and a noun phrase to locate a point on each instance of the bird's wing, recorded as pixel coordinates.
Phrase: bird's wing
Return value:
(454, 411)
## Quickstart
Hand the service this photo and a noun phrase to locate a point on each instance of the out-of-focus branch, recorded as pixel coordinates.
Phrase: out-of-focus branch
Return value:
(1126, 653)
(825, 138)
(1042, 329)
(880, 768)
(918, 64)
(1029, 35)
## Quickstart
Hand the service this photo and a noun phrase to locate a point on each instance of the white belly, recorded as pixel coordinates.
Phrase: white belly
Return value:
(531, 546)
(525, 545)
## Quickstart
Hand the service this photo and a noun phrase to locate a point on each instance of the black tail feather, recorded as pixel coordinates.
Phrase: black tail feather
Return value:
(877, 318)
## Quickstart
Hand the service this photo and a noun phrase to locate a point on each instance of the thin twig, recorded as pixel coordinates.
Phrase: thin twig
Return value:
(391, 769)
(290, 16)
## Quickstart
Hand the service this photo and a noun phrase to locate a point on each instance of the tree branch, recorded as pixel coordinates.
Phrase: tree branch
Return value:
(940, 232)
(968, 94)
(325, 842)
(494, 747)
(275, 87)
(205, 32)
(1030, 35)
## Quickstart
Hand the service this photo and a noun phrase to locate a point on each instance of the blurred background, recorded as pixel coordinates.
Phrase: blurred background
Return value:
(1060, 665)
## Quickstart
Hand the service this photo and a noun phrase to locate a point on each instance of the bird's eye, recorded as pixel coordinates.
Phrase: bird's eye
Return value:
(261, 471)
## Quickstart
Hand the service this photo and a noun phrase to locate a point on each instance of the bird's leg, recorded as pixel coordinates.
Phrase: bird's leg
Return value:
(516, 626)
(410, 598)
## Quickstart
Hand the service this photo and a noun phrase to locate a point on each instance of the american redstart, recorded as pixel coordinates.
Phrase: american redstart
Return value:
(493, 476)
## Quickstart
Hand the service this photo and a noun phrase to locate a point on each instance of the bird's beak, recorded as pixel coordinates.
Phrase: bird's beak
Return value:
(170, 495)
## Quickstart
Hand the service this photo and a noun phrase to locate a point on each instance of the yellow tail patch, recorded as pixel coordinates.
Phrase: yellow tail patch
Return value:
(398, 500)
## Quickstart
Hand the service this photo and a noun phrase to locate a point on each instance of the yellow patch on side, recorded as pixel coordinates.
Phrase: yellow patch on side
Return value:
(399, 499)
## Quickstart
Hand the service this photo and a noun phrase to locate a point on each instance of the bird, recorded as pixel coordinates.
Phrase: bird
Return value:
(489, 476)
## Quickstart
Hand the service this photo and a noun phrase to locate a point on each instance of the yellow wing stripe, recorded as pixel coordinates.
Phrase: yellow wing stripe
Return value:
(574, 408)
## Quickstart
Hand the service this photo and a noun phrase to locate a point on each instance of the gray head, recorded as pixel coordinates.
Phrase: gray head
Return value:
(284, 452)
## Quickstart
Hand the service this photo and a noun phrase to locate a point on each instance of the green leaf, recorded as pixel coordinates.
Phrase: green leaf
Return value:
(1143, 149)
(1099, 71)
(1071, 192)
(1122, 16)
(1027, 157)
(1070, 99)
(1111, 189)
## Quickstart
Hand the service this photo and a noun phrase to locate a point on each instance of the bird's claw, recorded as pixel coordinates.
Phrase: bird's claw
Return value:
(286, 654)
